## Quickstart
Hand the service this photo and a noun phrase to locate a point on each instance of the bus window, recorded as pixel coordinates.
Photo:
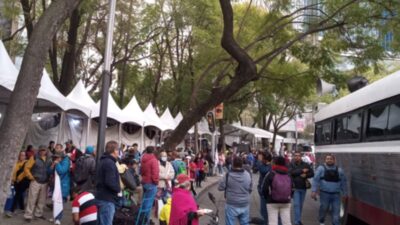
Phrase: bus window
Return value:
(394, 119)
(323, 133)
(377, 121)
(353, 126)
(347, 128)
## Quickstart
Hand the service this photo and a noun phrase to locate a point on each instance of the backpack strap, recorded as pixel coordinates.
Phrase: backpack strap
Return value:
(226, 183)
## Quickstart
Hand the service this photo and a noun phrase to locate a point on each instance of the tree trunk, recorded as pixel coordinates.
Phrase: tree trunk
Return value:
(26, 8)
(68, 66)
(222, 135)
(22, 100)
(245, 72)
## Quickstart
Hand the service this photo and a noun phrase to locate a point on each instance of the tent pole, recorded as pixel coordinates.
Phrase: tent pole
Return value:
(119, 133)
(60, 126)
(88, 129)
(142, 139)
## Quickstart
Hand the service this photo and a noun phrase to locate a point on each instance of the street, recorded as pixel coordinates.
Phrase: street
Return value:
(310, 210)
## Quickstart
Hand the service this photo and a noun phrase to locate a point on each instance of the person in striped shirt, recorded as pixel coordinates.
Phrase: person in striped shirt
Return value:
(84, 209)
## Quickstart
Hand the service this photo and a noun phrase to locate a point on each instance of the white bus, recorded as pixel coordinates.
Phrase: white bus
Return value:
(362, 130)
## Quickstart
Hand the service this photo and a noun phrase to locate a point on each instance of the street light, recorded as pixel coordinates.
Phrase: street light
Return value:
(106, 81)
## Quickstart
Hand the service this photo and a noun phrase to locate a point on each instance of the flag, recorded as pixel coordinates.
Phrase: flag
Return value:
(57, 197)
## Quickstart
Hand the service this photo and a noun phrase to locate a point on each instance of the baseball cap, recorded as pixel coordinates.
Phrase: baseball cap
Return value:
(182, 178)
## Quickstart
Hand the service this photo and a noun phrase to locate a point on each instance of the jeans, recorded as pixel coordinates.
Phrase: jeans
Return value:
(106, 211)
(231, 213)
(298, 201)
(326, 200)
(263, 209)
(149, 194)
(220, 170)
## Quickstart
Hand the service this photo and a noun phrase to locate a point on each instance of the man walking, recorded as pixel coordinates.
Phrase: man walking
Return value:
(330, 181)
(36, 171)
(107, 187)
(237, 186)
(300, 171)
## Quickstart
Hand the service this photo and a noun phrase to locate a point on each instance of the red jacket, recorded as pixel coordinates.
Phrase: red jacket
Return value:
(150, 169)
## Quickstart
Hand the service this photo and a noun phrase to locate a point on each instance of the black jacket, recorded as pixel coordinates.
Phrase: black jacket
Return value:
(296, 170)
(107, 177)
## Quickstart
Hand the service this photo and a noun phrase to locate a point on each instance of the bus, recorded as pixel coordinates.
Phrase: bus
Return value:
(362, 130)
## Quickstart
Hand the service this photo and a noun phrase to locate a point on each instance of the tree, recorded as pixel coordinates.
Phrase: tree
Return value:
(343, 24)
(20, 108)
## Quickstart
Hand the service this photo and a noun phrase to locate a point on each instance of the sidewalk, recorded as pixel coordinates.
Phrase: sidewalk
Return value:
(18, 219)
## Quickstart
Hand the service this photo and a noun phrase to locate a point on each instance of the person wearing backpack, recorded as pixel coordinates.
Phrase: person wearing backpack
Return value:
(277, 188)
(20, 182)
(300, 171)
(237, 185)
(85, 170)
(263, 165)
(331, 183)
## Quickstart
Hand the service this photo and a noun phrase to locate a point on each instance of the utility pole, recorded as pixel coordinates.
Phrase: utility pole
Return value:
(106, 81)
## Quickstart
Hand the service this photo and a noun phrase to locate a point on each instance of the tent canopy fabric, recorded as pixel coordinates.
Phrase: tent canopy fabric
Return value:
(238, 130)
(48, 98)
(80, 96)
(133, 112)
(167, 118)
(154, 120)
(113, 110)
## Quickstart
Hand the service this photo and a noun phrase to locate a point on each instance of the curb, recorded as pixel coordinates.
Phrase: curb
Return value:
(205, 189)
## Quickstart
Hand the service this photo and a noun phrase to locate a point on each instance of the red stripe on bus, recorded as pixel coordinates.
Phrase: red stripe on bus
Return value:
(371, 214)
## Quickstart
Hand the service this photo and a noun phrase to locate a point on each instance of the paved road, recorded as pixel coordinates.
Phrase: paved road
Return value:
(310, 210)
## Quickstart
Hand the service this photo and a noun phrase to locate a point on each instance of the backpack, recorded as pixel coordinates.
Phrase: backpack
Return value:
(128, 179)
(281, 188)
(81, 174)
(331, 175)
(180, 168)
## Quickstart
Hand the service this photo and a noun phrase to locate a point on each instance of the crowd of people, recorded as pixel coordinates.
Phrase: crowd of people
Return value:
(164, 183)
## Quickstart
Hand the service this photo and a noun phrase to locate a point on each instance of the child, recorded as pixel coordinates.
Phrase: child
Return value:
(84, 209)
(165, 213)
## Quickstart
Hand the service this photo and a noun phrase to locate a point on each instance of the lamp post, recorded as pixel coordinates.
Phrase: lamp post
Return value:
(106, 81)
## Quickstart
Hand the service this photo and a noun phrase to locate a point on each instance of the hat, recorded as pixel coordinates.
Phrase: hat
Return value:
(188, 157)
(182, 178)
(89, 149)
(42, 147)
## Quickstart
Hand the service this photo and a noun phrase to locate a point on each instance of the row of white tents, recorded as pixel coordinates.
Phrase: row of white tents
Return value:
(77, 113)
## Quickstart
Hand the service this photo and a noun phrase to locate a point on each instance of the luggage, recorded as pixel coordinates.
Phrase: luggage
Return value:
(10, 199)
(125, 216)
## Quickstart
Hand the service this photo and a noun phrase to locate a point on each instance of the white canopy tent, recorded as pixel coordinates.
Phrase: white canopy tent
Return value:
(167, 118)
(154, 120)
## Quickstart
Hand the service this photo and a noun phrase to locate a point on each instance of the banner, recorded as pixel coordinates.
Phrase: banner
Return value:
(57, 197)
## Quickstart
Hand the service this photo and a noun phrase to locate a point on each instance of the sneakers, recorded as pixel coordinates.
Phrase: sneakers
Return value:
(8, 214)
(322, 224)
(57, 222)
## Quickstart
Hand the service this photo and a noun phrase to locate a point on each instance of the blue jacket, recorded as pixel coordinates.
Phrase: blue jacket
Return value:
(62, 169)
(263, 169)
(326, 186)
(107, 178)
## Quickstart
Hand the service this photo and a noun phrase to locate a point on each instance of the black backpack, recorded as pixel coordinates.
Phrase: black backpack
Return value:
(331, 175)
(81, 172)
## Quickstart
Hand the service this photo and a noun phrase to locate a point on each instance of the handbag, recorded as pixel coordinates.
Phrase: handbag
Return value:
(128, 179)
